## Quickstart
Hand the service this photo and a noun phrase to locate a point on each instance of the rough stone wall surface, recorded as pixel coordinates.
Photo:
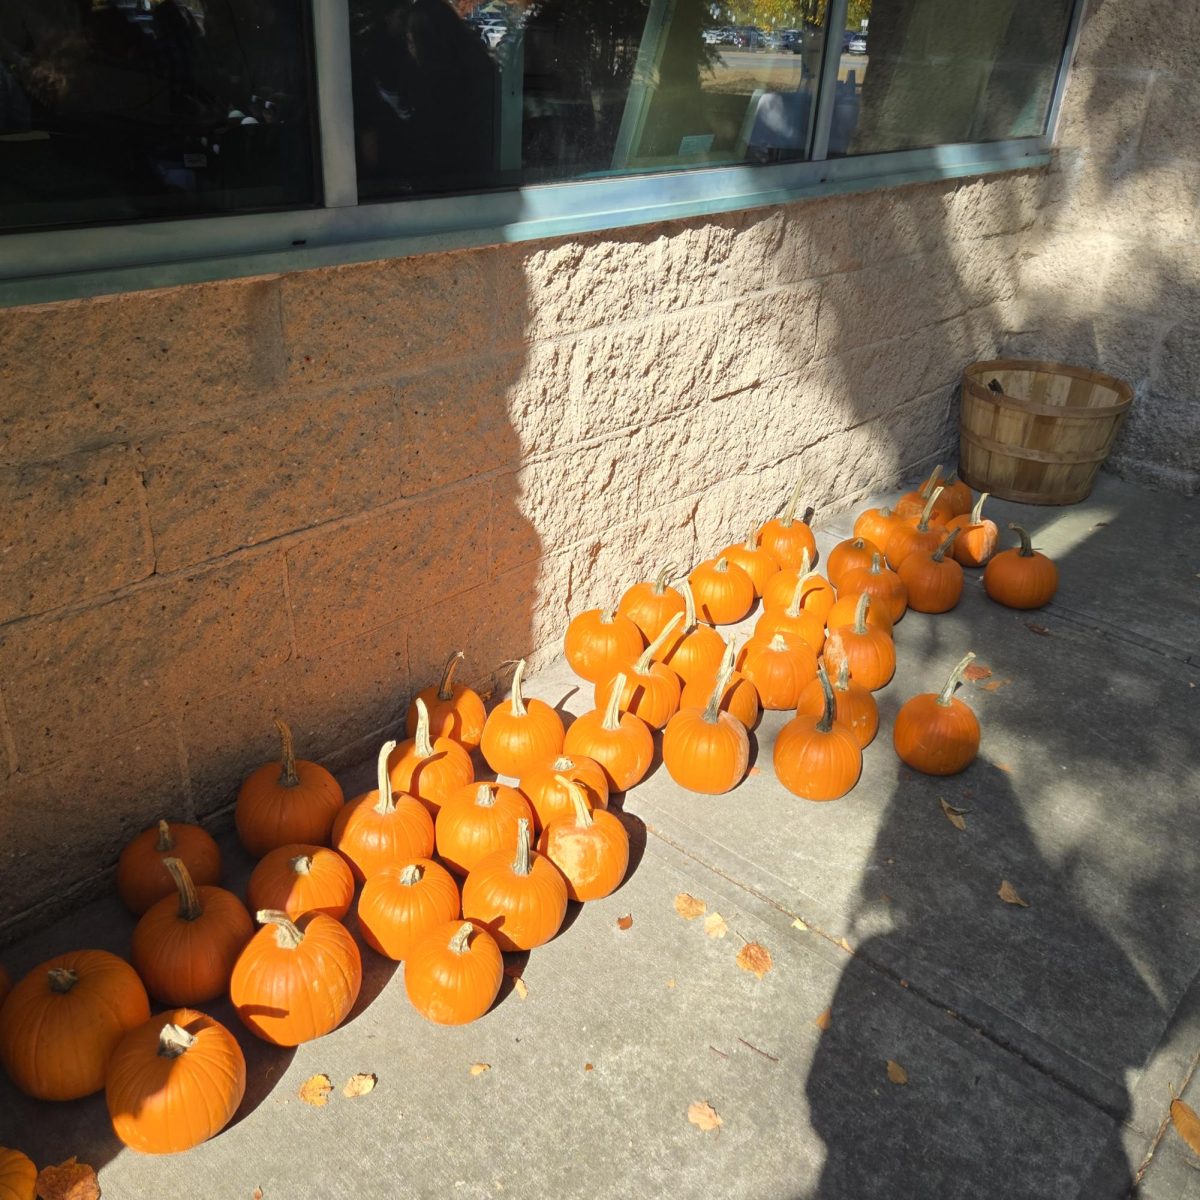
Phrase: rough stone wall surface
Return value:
(1112, 278)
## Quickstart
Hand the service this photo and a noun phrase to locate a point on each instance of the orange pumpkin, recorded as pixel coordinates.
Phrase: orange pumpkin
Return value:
(756, 560)
(816, 593)
(786, 538)
(978, 540)
(694, 649)
(520, 734)
(620, 742)
(519, 899)
(740, 698)
(590, 848)
(818, 758)
(401, 904)
(842, 613)
(599, 642)
(301, 879)
(870, 652)
(958, 497)
(296, 980)
(428, 770)
(289, 801)
(846, 556)
(934, 582)
(651, 605)
(381, 827)
(184, 947)
(803, 618)
(478, 820)
(60, 1023)
(141, 877)
(780, 667)
(723, 592)
(651, 689)
(455, 710)
(923, 534)
(18, 1176)
(549, 799)
(875, 525)
(912, 505)
(881, 583)
(174, 1082)
(936, 733)
(453, 974)
(1021, 577)
(855, 707)
(707, 750)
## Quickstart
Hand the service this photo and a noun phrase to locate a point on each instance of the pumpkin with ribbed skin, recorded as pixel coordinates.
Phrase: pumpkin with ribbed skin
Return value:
(651, 605)
(296, 980)
(842, 613)
(912, 505)
(958, 497)
(289, 801)
(455, 710)
(740, 698)
(694, 648)
(174, 1082)
(875, 525)
(651, 689)
(816, 594)
(846, 556)
(707, 750)
(934, 581)
(756, 560)
(549, 798)
(426, 769)
(780, 667)
(1022, 577)
(142, 879)
(936, 733)
(61, 1021)
(599, 642)
(590, 848)
(520, 733)
(723, 592)
(519, 899)
(871, 653)
(854, 705)
(881, 583)
(479, 820)
(301, 879)
(923, 533)
(818, 758)
(401, 904)
(18, 1176)
(978, 540)
(184, 947)
(786, 538)
(453, 974)
(798, 621)
(620, 742)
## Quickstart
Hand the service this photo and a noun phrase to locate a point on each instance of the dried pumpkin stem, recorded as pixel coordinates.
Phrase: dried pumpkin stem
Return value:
(174, 1040)
(287, 776)
(383, 781)
(721, 566)
(947, 693)
(923, 523)
(860, 613)
(1025, 550)
(712, 710)
(940, 553)
(564, 762)
(62, 979)
(607, 616)
(876, 564)
(689, 607)
(522, 864)
(931, 482)
(825, 724)
(660, 580)
(643, 663)
(751, 542)
(189, 898)
(301, 864)
(730, 655)
(842, 683)
(412, 874)
(518, 699)
(778, 643)
(288, 934)
(583, 814)
(612, 710)
(460, 943)
(809, 513)
(165, 843)
(421, 742)
(446, 686)
(977, 511)
(789, 513)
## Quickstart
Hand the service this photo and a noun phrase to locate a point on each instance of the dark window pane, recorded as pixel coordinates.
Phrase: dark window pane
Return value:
(469, 95)
(934, 72)
(116, 110)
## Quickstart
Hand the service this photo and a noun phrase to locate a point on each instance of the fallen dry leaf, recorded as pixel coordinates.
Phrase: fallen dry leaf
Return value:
(520, 988)
(1034, 627)
(70, 1180)
(824, 1021)
(256, 1194)
(670, 983)
(995, 685)
(625, 922)
(588, 1067)
(845, 945)
(1009, 895)
(479, 1068)
(754, 771)
(688, 907)
(1003, 767)
(754, 958)
(799, 924)
(714, 925)
(359, 1085)
(954, 815)
(703, 1115)
(896, 1073)
(1187, 1123)
(976, 671)
(315, 1090)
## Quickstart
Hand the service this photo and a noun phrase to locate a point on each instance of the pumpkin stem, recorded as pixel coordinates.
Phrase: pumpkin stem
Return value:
(412, 874)
(876, 564)
(842, 683)
(301, 864)
(612, 710)
(564, 762)
(712, 711)
(940, 553)
(643, 664)
(174, 1040)
(931, 482)
(809, 513)
(189, 899)
(825, 724)
(288, 934)
(660, 580)
(288, 776)
(522, 864)
(778, 643)
(607, 615)
(751, 537)
(383, 781)
(923, 523)
(977, 511)
(62, 979)
(947, 693)
(518, 700)
(793, 609)
(1025, 550)
(445, 688)
(583, 814)
(860, 613)
(485, 795)
(460, 943)
(730, 655)
(165, 843)
(421, 742)
(789, 513)
(721, 566)
(689, 607)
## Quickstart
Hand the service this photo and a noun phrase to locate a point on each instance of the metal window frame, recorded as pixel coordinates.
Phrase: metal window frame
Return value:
(38, 267)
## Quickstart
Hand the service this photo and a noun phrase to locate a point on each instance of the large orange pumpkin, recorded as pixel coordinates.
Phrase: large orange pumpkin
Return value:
(707, 750)
(454, 973)
(141, 877)
(923, 533)
(599, 642)
(301, 879)
(936, 733)
(723, 592)
(401, 904)
(818, 758)
(870, 652)
(881, 583)
(426, 769)
(780, 667)
(695, 648)
(455, 710)
(786, 538)
(651, 605)
(756, 560)
(590, 848)
(934, 582)
(620, 742)
(1022, 577)
(478, 820)
(846, 556)
(520, 734)
(740, 698)
(651, 689)
(854, 705)
(549, 798)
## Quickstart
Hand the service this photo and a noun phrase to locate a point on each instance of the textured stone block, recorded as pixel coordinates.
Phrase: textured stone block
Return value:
(73, 529)
(996, 204)
(760, 338)
(120, 665)
(1155, 34)
(879, 304)
(1172, 117)
(213, 488)
(1104, 110)
(1163, 432)
(708, 261)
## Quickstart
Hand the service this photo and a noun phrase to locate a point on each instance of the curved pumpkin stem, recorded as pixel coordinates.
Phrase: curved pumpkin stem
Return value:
(778, 643)
(940, 553)
(412, 874)
(1025, 550)
(189, 899)
(288, 935)
(712, 710)
(383, 782)
(660, 580)
(301, 864)
(607, 616)
(485, 795)
(518, 698)
(923, 523)
(689, 607)
(165, 843)
(977, 511)
(789, 512)
(947, 692)
(876, 564)
(62, 979)
(174, 1040)
(931, 482)
(522, 864)
(721, 566)
(460, 943)
(730, 655)
(825, 724)
(583, 814)
(842, 683)
(647, 657)
(612, 710)
(751, 542)
(287, 776)
(446, 686)
(793, 609)
(860, 613)
(421, 742)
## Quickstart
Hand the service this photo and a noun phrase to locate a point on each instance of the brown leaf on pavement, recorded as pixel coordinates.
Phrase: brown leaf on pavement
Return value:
(755, 958)
(1009, 895)
(625, 922)
(954, 815)
(1187, 1124)
(70, 1180)
(688, 907)
(359, 1085)
(714, 925)
(896, 1073)
(995, 685)
(670, 983)
(1034, 627)
(315, 1090)
(703, 1115)
(479, 1068)
(824, 1021)
(588, 1067)
(976, 671)
(798, 923)
(845, 945)
(256, 1194)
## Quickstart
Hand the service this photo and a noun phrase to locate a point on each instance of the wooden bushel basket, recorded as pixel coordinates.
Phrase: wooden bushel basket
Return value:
(1037, 432)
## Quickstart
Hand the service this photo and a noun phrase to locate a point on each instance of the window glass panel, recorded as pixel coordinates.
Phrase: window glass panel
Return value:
(470, 95)
(116, 110)
(933, 72)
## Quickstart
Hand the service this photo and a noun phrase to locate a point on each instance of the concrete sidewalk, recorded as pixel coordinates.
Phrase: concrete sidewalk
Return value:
(1040, 1043)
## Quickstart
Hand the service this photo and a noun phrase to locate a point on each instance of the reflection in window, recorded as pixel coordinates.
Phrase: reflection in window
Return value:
(120, 109)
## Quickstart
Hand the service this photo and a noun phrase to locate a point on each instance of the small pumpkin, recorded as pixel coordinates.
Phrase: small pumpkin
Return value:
(18, 1175)
(707, 750)
(184, 947)
(723, 592)
(174, 1082)
(756, 560)
(818, 758)
(958, 497)
(846, 556)
(911, 506)
(786, 538)
(590, 848)
(141, 877)
(854, 705)
(61, 1021)
(923, 534)
(651, 689)
(301, 879)
(453, 974)
(740, 698)
(549, 799)
(978, 540)
(428, 770)
(870, 652)
(875, 525)
(842, 613)
(620, 742)
(936, 733)
(289, 801)
(478, 820)
(934, 582)
(401, 904)
(519, 899)
(651, 605)
(780, 667)
(881, 583)
(599, 642)
(296, 980)
(382, 827)
(455, 710)
(1021, 577)
(911, 503)
(816, 592)
(520, 734)
(694, 648)
(803, 618)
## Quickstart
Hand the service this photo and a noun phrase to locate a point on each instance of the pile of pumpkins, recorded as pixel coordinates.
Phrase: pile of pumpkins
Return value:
(453, 870)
